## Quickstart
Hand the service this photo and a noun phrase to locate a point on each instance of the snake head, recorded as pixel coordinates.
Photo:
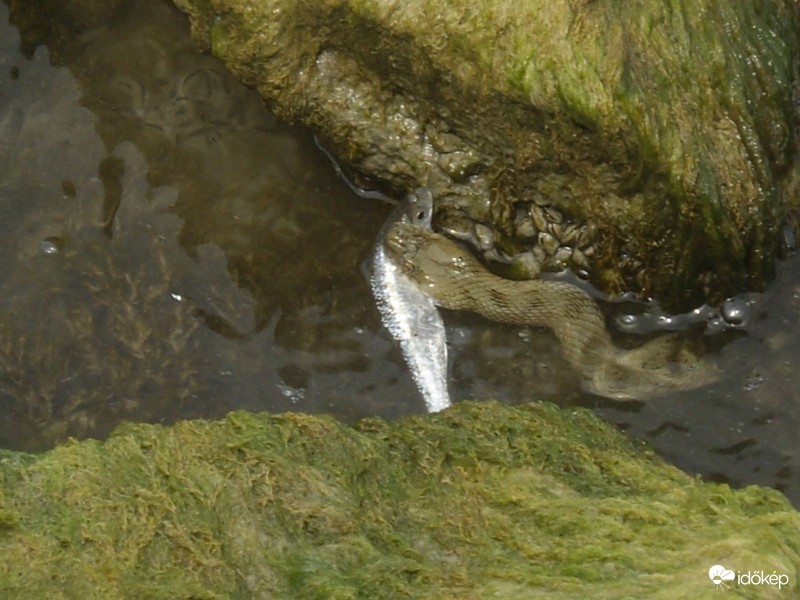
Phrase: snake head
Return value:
(404, 242)
(429, 259)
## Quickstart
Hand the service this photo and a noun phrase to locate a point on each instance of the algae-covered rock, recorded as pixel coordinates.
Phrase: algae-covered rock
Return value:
(481, 501)
(667, 127)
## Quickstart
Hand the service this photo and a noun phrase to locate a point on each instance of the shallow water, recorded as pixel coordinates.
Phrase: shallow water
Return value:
(170, 250)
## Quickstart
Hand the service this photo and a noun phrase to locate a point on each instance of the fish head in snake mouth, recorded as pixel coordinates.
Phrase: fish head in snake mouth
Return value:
(428, 259)
(418, 208)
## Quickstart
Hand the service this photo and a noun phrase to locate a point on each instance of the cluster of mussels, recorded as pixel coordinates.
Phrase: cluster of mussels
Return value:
(543, 239)
(556, 243)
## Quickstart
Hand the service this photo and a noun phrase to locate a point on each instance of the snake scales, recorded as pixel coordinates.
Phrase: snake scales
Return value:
(455, 280)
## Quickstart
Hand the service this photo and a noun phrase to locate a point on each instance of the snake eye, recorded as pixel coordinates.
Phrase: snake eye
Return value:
(421, 215)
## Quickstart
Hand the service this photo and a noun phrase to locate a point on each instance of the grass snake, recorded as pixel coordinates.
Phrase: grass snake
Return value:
(454, 279)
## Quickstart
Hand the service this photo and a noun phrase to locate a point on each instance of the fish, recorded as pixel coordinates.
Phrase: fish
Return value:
(409, 315)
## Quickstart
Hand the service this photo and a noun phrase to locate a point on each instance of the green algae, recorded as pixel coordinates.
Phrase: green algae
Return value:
(669, 125)
(481, 501)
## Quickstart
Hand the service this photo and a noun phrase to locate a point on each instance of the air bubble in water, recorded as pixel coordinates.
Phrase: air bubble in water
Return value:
(664, 321)
(735, 311)
(49, 247)
(627, 321)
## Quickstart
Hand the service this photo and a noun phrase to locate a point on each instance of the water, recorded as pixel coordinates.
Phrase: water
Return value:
(169, 250)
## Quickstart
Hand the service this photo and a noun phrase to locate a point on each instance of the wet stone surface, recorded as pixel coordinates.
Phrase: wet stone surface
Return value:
(169, 250)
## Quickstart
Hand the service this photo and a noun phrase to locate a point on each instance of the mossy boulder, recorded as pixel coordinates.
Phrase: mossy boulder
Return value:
(481, 501)
(665, 127)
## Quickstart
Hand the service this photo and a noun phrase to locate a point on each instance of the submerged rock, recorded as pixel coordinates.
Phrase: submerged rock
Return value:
(479, 501)
(669, 128)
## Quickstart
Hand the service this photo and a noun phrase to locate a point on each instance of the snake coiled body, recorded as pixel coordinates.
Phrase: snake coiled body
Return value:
(456, 280)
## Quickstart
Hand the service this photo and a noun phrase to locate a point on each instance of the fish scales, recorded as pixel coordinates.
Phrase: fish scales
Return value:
(408, 314)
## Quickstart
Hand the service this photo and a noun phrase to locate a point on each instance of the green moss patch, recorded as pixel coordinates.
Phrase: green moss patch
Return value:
(481, 501)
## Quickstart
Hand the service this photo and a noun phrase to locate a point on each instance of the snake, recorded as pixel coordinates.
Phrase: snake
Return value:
(454, 279)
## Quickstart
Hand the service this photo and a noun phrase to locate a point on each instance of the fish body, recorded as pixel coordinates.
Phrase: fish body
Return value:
(411, 316)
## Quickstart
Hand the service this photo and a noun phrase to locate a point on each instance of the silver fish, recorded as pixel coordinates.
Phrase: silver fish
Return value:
(408, 314)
